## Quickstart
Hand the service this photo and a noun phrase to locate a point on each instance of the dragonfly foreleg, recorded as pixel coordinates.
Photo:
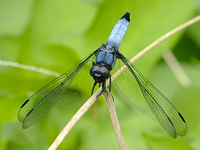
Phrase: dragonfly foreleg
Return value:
(103, 88)
(95, 83)
(110, 85)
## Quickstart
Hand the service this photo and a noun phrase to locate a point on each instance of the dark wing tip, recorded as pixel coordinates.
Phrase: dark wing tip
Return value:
(24, 103)
(29, 112)
(126, 16)
(181, 117)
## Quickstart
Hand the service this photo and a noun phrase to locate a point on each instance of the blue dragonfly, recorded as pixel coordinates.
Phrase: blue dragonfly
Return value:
(96, 69)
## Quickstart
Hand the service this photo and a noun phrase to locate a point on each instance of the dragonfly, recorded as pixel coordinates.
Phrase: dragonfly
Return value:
(95, 69)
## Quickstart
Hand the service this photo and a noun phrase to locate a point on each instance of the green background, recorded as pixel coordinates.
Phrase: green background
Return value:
(56, 34)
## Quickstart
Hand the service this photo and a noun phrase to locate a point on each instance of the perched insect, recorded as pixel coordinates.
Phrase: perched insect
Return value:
(98, 65)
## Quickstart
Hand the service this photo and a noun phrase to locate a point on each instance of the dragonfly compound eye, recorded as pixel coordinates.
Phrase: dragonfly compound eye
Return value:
(99, 73)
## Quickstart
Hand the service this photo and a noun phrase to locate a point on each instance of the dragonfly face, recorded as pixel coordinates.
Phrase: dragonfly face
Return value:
(132, 83)
(99, 72)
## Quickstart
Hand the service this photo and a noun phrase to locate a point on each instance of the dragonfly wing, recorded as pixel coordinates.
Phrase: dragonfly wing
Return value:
(147, 98)
(58, 93)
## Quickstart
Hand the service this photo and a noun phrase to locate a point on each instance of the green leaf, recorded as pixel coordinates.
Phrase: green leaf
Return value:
(166, 144)
(15, 16)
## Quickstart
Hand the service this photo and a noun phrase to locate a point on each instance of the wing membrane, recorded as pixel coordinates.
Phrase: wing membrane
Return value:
(146, 97)
(58, 93)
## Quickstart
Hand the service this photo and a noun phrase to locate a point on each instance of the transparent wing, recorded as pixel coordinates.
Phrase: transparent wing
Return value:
(147, 98)
(58, 93)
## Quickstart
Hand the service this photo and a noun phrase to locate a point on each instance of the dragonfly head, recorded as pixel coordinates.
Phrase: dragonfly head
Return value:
(99, 73)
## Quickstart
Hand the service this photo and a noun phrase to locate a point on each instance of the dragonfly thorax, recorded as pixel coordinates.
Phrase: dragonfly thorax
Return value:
(104, 63)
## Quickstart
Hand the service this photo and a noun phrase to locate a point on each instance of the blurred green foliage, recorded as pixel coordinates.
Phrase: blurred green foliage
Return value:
(55, 35)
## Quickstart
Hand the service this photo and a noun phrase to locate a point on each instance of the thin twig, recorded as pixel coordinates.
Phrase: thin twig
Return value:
(92, 99)
(74, 120)
(176, 68)
(114, 119)
(27, 67)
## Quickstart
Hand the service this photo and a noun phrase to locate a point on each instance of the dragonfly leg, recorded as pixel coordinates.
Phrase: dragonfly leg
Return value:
(110, 89)
(103, 88)
(110, 85)
(95, 83)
